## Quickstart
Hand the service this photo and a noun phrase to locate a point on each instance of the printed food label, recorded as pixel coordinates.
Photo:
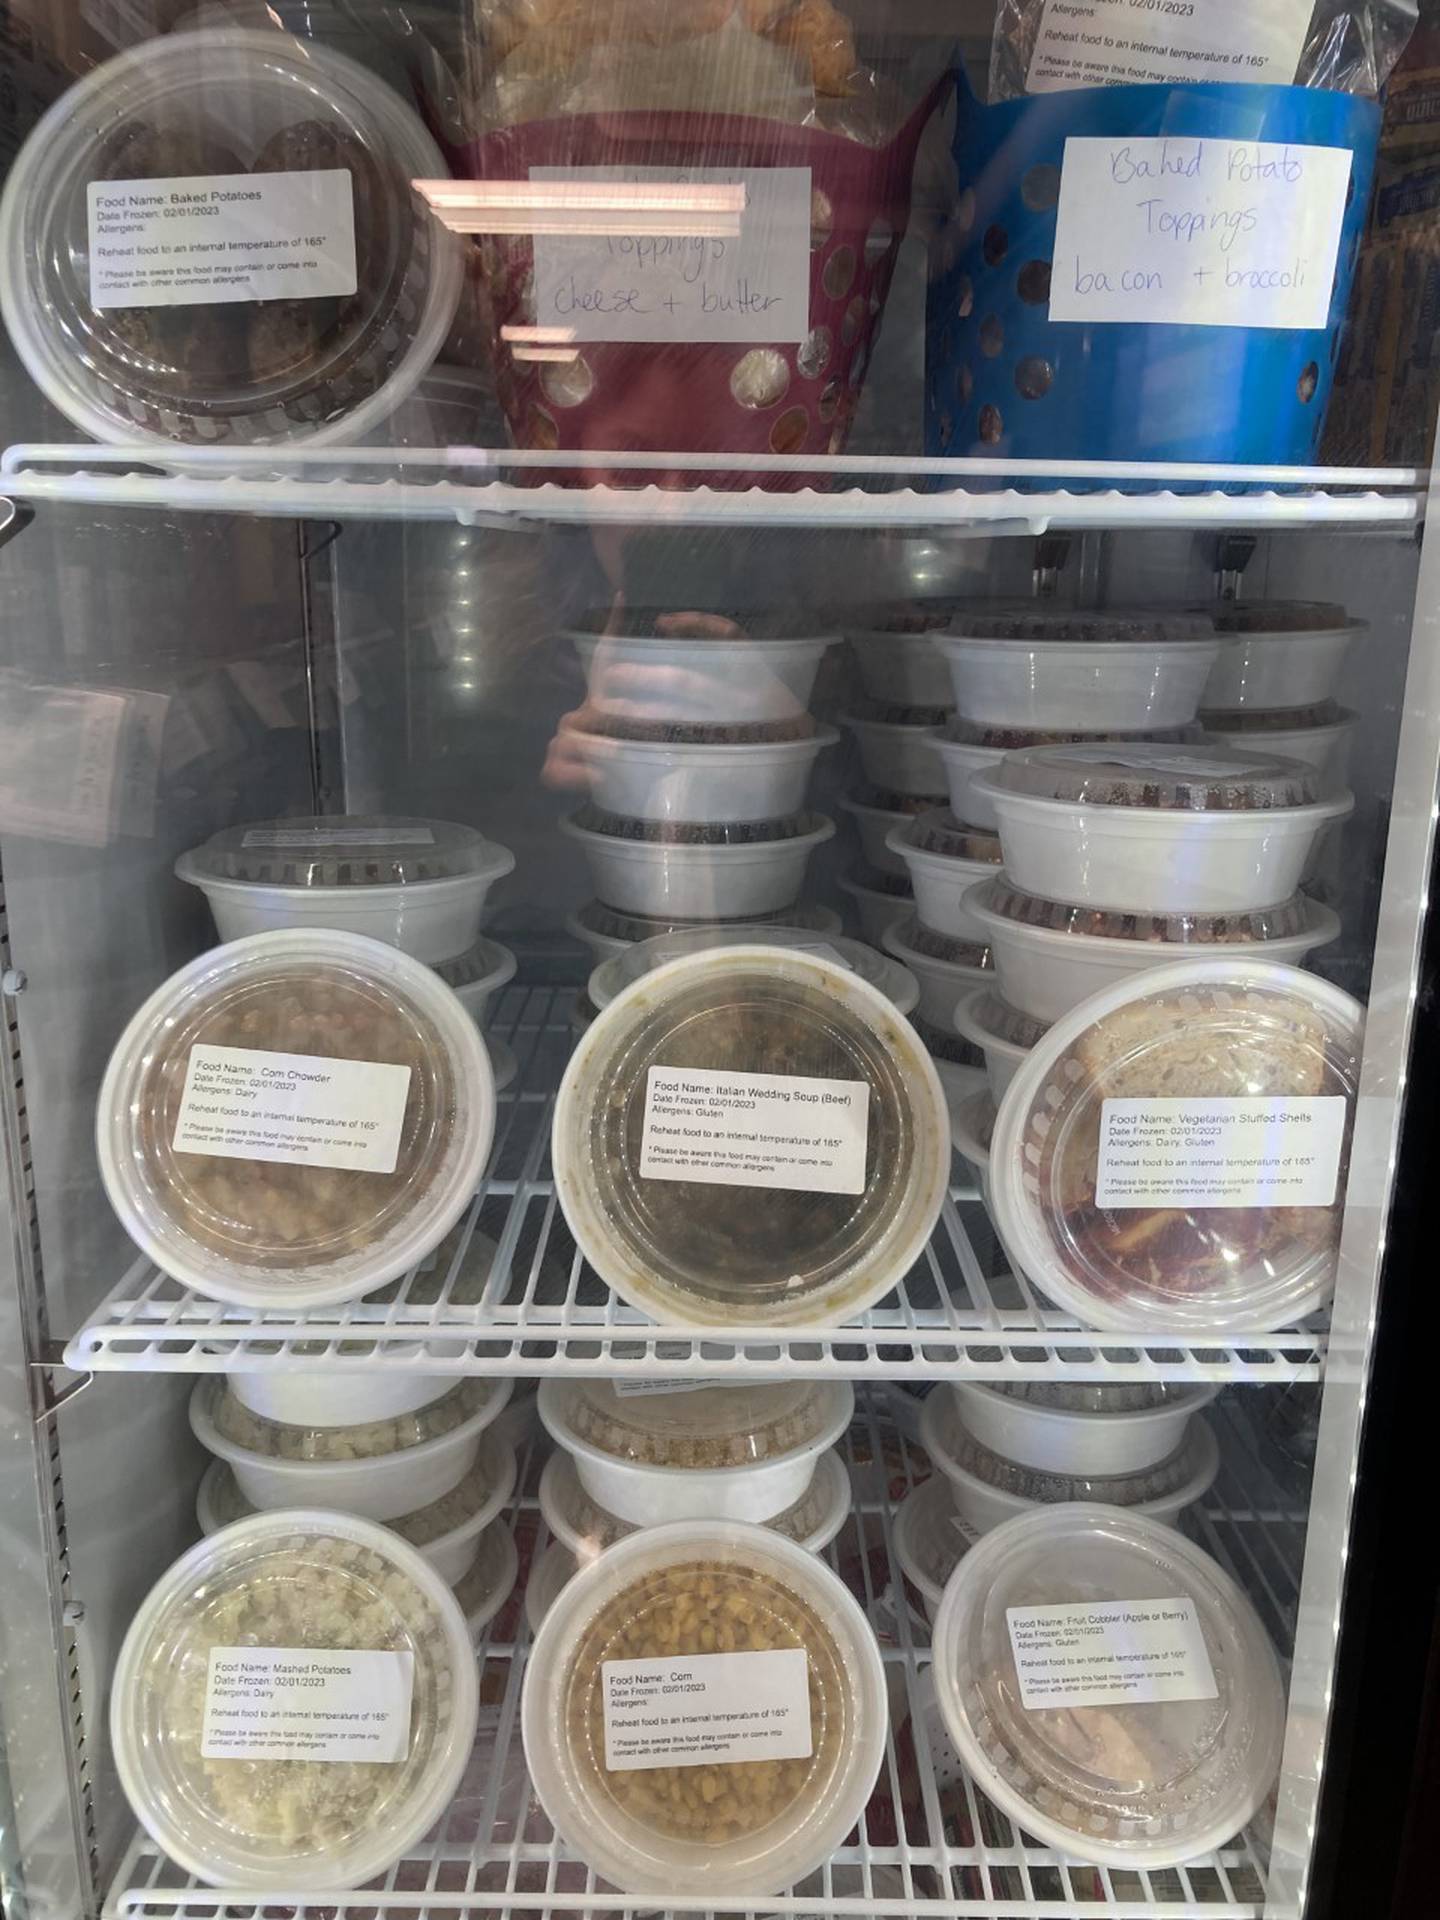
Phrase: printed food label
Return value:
(1110, 1654)
(753, 285)
(304, 1703)
(338, 837)
(204, 239)
(755, 1130)
(1257, 1152)
(706, 1709)
(1106, 43)
(244, 1103)
(643, 1389)
(1207, 233)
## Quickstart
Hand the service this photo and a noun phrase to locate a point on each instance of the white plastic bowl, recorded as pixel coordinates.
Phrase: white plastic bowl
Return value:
(1003, 1058)
(335, 1399)
(648, 1495)
(1157, 860)
(943, 983)
(1279, 669)
(491, 1580)
(1044, 972)
(555, 1568)
(380, 1487)
(931, 1538)
(900, 669)
(672, 881)
(1103, 686)
(612, 977)
(700, 681)
(961, 761)
(875, 826)
(475, 995)
(590, 926)
(1326, 747)
(673, 780)
(941, 881)
(896, 756)
(875, 910)
(1069, 1440)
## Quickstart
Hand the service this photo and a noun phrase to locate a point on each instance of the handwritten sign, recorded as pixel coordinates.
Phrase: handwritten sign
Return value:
(1209, 233)
(750, 286)
(1110, 43)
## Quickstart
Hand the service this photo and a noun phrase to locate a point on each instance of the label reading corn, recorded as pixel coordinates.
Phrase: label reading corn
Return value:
(706, 1709)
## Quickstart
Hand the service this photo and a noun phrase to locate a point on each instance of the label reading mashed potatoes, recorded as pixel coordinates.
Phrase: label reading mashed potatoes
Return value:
(306, 1703)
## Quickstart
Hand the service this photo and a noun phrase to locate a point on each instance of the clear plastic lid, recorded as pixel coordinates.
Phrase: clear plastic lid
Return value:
(875, 713)
(596, 917)
(1107, 1773)
(938, 831)
(297, 1580)
(871, 880)
(1094, 1396)
(665, 623)
(346, 850)
(698, 733)
(949, 1436)
(885, 800)
(785, 1220)
(906, 616)
(1292, 916)
(1173, 1153)
(697, 833)
(487, 960)
(613, 976)
(279, 1440)
(810, 1521)
(949, 1046)
(946, 947)
(1279, 616)
(975, 733)
(1326, 713)
(998, 1020)
(1172, 779)
(1031, 620)
(704, 1428)
(931, 1538)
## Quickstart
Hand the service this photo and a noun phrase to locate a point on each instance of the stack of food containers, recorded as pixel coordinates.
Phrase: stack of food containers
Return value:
(1273, 689)
(417, 1453)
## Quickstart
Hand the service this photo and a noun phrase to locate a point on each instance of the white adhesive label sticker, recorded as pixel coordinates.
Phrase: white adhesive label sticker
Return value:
(205, 239)
(1261, 1152)
(1209, 233)
(706, 1709)
(754, 285)
(1110, 43)
(303, 1703)
(338, 837)
(644, 1389)
(244, 1103)
(755, 1130)
(1116, 1653)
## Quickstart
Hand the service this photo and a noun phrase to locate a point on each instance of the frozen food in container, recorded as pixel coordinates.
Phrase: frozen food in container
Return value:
(897, 660)
(307, 1583)
(1002, 1033)
(931, 1539)
(1133, 1783)
(723, 1452)
(222, 113)
(897, 983)
(556, 1566)
(1318, 736)
(380, 1469)
(682, 780)
(862, 1139)
(989, 1489)
(689, 870)
(1053, 668)
(965, 748)
(587, 1527)
(880, 900)
(1080, 1426)
(895, 746)
(945, 859)
(1048, 956)
(1279, 654)
(1158, 829)
(608, 933)
(947, 969)
(421, 885)
(335, 1398)
(476, 976)
(698, 668)
(688, 1592)
(1222, 1062)
(390, 1046)
(877, 815)
(491, 1580)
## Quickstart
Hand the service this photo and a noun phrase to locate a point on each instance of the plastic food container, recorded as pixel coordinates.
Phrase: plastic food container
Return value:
(875, 825)
(475, 977)
(1053, 669)
(608, 933)
(247, 372)
(966, 749)
(335, 1399)
(419, 885)
(697, 871)
(880, 900)
(1280, 654)
(1002, 1033)
(587, 1528)
(931, 1539)
(897, 983)
(697, 668)
(1138, 1784)
(268, 1232)
(657, 1593)
(898, 664)
(947, 970)
(1317, 736)
(555, 1568)
(1211, 1033)
(896, 746)
(972, 1121)
(1078, 1426)
(490, 1581)
(680, 781)
(1049, 957)
(989, 1489)
(1158, 829)
(708, 1252)
(945, 859)
(298, 1579)
(447, 1531)
(724, 1453)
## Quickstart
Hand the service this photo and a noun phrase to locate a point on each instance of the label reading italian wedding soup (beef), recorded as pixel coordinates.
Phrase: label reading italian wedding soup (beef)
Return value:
(304, 1703)
(755, 1130)
(1260, 1152)
(706, 1709)
(1110, 1654)
(246, 1103)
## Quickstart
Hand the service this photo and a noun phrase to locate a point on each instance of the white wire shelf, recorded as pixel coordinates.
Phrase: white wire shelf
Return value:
(507, 1293)
(930, 1846)
(493, 486)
